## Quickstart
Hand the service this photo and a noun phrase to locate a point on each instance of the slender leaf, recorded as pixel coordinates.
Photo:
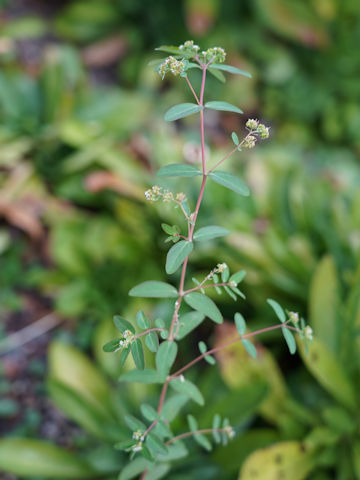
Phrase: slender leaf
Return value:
(277, 309)
(290, 340)
(193, 425)
(186, 387)
(205, 305)
(230, 181)
(177, 254)
(123, 356)
(217, 74)
(134, 423)
(215, 426)
(240, 323)
(169, 49)
(152, 341)
(230, 69)
(223, 106)
(138, 354)
(134, 468)
(154, 289)
(182, 110)
(122, 324)
(112, 345)
(142, 321)
(250, 347)
(235, 138)
(238, 276)
(178, 170)
(210, 232)
(148, 375)
(173, 405)
(165, 357)
(155, 443)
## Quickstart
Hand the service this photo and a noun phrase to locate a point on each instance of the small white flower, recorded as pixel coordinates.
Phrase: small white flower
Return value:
(230, 432)
(294, 317)
(308, 333)
(137, 447)
(182, 378)
(221, 267)
(252, 123)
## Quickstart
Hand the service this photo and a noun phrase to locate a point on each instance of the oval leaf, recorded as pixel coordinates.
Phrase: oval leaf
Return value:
(217, 74)
(240, 323)
(210, 232)
(138, 354)
(182, 110)
(165, 357)
(121, 324)
(188, 322)
(176, 255)
(188, 388)
(249, 347)
(154, 289)
(290, 340)
(152, 341)
(205, 305)
(223, 106)
(148, 375)
(178, 170)
(230, 69)
(277, 309)
(34, 458)
(230, 181)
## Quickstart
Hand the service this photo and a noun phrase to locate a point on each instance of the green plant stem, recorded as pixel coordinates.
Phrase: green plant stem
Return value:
(227, 344)
(192, 90)
(147, 331)
(200, 287)
(195, 432)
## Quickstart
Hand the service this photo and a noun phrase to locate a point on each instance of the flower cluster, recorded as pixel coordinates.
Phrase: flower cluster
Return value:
(214, 54)
(156, 193)
(306, 332)
(256, 130)
(230, 431)
(189, 48)
(171, 64)
(128, 338)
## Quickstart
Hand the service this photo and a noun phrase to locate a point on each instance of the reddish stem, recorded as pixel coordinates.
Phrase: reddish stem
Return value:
(195, 432)
(147, 331)
(200, 287)
(193, 91)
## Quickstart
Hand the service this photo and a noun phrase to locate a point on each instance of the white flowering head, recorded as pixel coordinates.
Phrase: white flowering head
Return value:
(171, 64)
(168, 196)
(189, 48)
(308, 333)
(249, 141)
(138, 435)
(214, 54)
(137, 447)
(230, 432)
(294, 317)
(263, 131)
(180, 197)
(252, 124)
(221, 267)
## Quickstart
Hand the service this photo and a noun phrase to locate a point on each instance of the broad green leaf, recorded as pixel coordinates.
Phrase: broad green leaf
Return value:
(134, 468)
(277, 309)
(134, 423)
(138, 353)
(121, 324)
(154, 289)
(157, 471)
(165, 357)
(142, 320)
(178, 170)
(322, 363)
(177, 254)
(210, 232)
(203, 441)
(182, 110)
(230, 69)
(339, 420)
(205, 305)
(170, 229)
(223, 106)
(155, 444)
(148, 375)
(286, 460)
(148, 412)
(112, 345)
(235, 138)
(77, 408)
(152, 341)
(188, 322)
(290, 340)
(35, 458)
(324, 303)
(186, 387)
(123, 356)
(238, 276)
(250, 347)
(230, 181)
(145, 452)
(193, 425)
(217, 74)
(175, 451)
(173, 405)
(171, 49)
(240, 323)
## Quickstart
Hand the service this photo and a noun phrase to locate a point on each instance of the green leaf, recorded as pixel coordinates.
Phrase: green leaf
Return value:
(157, 471)
(263, 464)
(154, 289)
(134, 468)
(35, 458)
(138, 354)
(202, 347)
(177, 254)
(210, 232)
(230, 181)
(188, 388)
(193, 425)
(172, 406)
(112, 345)
(225, 274)
(249, 347)
(165, 357)
(223, 106)
(134, 423)
(178, 170)
(230, 69)
(170, 230)
(169, 49)
(277, 309)
(152, 341)
(235, 138)
(142, 320)
(182, 110)
(240, 323)
(188, 322)
(156, 444)
(218, 75)
(148, 375)
(146, 453)
(215, 425)
(205, 305)
(324, 303)
(122, 324)
(290, 340)
(148, 412)
(325, 367)
(203, 441)
(123, 356)
(238, 276)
